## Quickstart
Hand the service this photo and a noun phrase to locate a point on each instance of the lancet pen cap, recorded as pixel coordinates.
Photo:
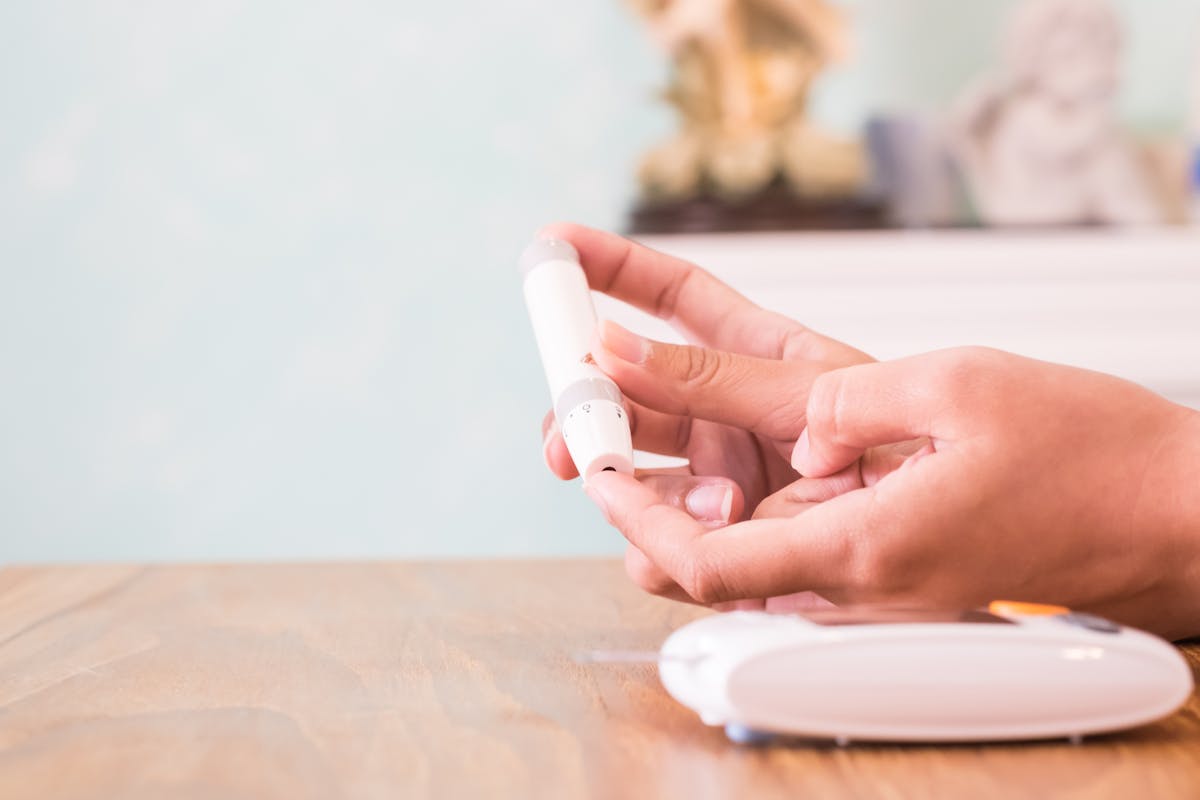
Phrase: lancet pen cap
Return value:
(543, 250)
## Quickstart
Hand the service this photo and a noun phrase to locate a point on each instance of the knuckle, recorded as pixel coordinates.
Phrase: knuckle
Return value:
(768, 508)
(787, 502)
(701, 366)
(683, 434)
(870, 558)
(885, 568)
(797, 341)
(704, 581)
(632, 416)
(874, 571)
(958, 371)
(825, 405)
(667, 302)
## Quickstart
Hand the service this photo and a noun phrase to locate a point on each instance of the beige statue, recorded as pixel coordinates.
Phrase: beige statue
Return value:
(1038, 142)
(742, 73)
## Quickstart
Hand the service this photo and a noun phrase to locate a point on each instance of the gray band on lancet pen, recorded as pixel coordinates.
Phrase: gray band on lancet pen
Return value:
(544, 250)
(581, 392)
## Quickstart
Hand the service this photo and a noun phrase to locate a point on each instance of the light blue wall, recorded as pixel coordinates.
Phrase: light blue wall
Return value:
(257, 292)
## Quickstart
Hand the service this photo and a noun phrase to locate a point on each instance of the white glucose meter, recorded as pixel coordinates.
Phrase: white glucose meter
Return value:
(1015, 671)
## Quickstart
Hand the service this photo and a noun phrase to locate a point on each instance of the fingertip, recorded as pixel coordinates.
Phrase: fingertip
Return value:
(622, 342)
(610, 492)
(817, 461)
(558, 458)
(802, 453)
(609, 489)
(611, 479)
(558, 230)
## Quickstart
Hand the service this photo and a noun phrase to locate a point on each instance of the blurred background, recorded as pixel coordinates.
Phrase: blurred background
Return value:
(259, 292)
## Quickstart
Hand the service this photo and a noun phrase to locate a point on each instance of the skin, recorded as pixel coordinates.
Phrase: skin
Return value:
(943, 480)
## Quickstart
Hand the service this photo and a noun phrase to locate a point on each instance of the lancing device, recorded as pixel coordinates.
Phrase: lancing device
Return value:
(587, 404)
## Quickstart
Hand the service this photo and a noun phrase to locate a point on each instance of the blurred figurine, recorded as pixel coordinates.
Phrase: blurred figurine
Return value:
(742, 70)
(1038, 142)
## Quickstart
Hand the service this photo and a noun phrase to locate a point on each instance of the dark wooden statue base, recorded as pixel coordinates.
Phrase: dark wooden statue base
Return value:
(776, 208)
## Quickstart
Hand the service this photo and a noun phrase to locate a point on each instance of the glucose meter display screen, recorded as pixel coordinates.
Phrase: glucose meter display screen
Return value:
(900, 616)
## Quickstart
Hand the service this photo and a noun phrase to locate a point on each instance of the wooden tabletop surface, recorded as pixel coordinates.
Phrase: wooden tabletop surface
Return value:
(445, 679)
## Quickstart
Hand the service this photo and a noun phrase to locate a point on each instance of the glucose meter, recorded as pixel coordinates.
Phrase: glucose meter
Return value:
(1015, 671)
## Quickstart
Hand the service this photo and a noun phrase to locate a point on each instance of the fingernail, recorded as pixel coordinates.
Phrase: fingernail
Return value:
(623, 344)
(800, 451)
(711, 502)
(591, 491)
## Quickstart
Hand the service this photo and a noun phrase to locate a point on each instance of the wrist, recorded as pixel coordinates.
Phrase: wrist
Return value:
(1171, 503)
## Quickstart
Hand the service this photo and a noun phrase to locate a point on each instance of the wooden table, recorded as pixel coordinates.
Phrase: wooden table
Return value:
(452, 679)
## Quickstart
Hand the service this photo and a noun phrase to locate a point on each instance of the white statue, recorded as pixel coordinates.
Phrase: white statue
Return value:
(1039, 142)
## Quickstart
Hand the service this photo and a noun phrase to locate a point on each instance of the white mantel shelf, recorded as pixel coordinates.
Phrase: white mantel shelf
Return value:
(1123, 302)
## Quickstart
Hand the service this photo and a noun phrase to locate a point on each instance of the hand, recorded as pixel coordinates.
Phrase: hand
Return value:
(1036, 482)
(731, 467)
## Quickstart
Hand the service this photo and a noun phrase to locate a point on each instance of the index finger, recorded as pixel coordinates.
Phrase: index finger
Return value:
(701, 307)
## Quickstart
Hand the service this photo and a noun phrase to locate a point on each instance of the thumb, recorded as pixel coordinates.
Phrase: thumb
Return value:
(762, 395)
(707, 499)
(869, 405)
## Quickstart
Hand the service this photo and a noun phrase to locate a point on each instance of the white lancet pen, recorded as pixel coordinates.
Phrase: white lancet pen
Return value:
(587, 404)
